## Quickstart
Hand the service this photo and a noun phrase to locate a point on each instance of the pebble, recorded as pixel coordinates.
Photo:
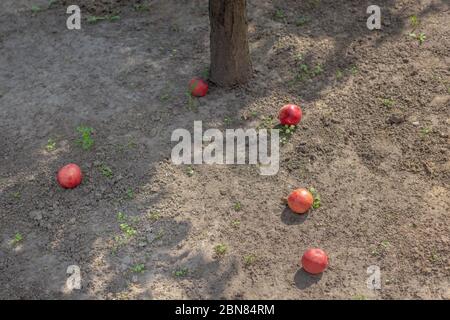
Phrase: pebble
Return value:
(36, 215)
(142, 244)
(416, 123)
(396, 119)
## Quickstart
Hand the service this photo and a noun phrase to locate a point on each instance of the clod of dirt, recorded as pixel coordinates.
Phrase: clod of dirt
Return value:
(36, 215)
(396, 118)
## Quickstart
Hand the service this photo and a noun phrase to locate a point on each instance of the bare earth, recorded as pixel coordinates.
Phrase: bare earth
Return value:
(374, 142)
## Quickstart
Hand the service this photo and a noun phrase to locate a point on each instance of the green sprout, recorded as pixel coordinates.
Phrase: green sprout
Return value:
(130, 194)
(138, 268)
(425, 131)
(220, 249)
(106, 171)
(316, 196)
(128, 230)
(236, 223)
(286, 132)
(181, 272)
(249, 259)
(227, 120)
(421, 37)
(17, 238)
(190, 171)
(153, 216)
(205, 73)
(279, 14)
(388, 102)
(414, 21)
(95, 19)
(86, 140)
(121, 216)
(17, 195)
(318, 69)
(51, 145)
(267, 123)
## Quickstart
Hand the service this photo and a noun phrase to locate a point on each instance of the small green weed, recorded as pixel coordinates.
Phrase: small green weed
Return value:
(128, 230)
(17, 239)
(51, 145)
(414, 21)
(190, 171)
(425, 131)
(316, 196)
(388, 103)
(106, 171)
(220, 249)
(153, 216)
(110, 18)
(183, 272)
(86, 141)
(279, 15)
(130, 194)
(138, 268)
(249, 259)
(236, 223)
(421, 37)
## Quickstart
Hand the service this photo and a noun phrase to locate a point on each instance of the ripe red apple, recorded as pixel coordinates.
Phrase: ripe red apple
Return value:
(198, 87)
(69, 176)
(300, 200)
(290, 114)
(314, 261)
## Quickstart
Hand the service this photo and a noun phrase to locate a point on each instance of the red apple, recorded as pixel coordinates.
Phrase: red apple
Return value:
(300, 200)
(69, 176)
(290, 114)
(198, 87)
(314, 261)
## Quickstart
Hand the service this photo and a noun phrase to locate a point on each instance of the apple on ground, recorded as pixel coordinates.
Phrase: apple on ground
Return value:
(290, 114)
(69, 176)
(314, 261)
(198, 87)
(300, 200)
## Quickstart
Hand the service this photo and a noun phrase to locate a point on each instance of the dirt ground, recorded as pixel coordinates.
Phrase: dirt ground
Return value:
(374, 142)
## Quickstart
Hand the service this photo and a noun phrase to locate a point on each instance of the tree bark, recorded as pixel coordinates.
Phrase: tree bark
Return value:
(230, 56)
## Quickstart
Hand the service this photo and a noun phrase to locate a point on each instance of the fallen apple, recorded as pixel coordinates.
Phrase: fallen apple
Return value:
(198, 87)
(314, 261)
(69, 176)
(300, 200)
(290, 114)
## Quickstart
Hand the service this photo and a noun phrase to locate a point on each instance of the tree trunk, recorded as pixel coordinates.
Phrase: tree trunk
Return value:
(230, 56)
